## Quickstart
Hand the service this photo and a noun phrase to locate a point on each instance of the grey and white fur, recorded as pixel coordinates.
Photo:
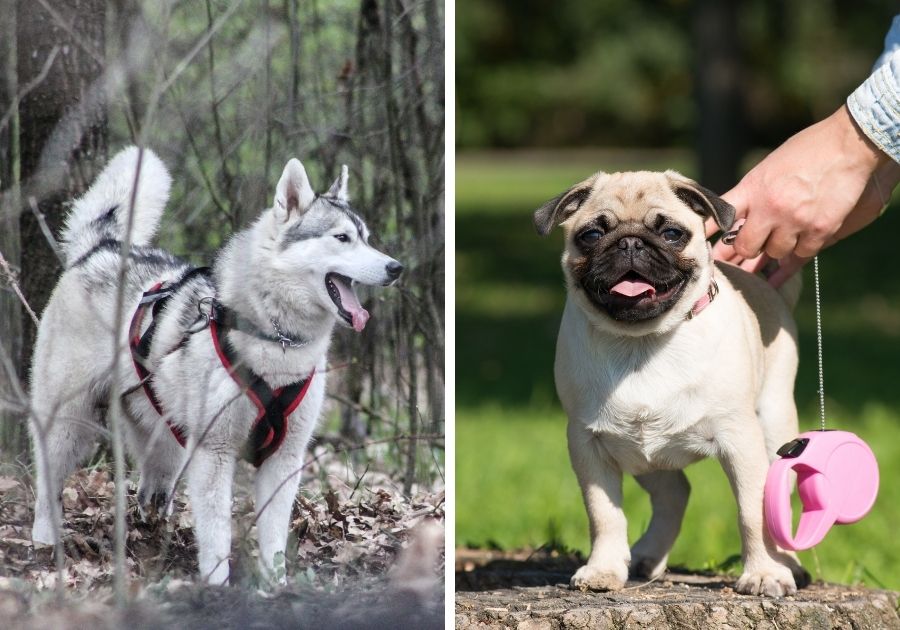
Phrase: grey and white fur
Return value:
(290, 273)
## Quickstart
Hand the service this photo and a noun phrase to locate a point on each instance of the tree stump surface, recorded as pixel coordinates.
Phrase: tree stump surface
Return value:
(499, 591)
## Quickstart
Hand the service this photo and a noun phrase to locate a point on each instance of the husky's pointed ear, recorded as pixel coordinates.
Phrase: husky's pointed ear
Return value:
(704, 202)
(293, 193)
(561, 207)
(338, 189)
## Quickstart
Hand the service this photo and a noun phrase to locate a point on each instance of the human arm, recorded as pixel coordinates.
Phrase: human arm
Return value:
(827, 181)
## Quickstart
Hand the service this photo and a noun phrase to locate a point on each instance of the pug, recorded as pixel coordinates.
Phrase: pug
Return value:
(665, 357)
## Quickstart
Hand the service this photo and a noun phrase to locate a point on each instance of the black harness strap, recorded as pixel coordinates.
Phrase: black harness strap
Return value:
(273, 406)
(157, 296)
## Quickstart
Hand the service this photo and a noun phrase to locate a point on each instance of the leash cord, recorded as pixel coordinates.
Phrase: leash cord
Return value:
(819, 341)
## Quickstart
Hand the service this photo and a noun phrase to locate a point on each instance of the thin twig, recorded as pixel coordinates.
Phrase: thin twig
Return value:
(36, 81)
(359, 407)
(115, 402)
(11, 277)
(344, 449)
(45, 229)
(96, 56)
(189, 57)
(217, 125)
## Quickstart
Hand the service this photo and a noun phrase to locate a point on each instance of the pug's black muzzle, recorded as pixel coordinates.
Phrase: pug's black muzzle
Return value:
(633, 259)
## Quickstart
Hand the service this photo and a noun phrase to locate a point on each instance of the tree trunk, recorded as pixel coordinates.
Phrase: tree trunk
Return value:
(12, 438)
(62, 131)
(720, 141)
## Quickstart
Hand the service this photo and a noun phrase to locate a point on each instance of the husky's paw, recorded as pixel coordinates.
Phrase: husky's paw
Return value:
(649, 567)
(43, 534)
(774, 580)
(154, 505)
(594, 578)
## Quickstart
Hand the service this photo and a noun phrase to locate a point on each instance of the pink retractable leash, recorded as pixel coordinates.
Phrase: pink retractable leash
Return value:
(837, 475)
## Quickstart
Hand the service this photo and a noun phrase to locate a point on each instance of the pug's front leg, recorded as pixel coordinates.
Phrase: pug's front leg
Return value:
(767, 571)
(601, 486)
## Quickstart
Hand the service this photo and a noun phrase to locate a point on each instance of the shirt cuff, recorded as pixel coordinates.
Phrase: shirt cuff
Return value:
(875, 106)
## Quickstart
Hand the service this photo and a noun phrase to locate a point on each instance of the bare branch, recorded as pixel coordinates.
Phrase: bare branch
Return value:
(11, 278)
(36, 81)
(45, 230)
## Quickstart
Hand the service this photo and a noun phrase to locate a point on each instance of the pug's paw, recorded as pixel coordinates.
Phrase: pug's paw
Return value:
(647, 567)
(599, 578)
(802, 578)
(772, 581)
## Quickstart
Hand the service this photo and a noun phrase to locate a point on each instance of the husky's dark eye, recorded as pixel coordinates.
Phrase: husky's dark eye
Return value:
(343, 238)
(589, 237)
(672, 234)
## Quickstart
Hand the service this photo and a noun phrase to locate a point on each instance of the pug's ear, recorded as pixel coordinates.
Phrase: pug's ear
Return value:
(560, 208)
(338, 189)
(293, 194)
(701, 200)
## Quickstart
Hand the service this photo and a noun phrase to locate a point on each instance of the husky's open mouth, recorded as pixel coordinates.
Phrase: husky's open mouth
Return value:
(340, 290)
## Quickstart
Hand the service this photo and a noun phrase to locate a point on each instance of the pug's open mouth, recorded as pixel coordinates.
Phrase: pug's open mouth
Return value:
(633, 297)
(340, 290)
(634, 288)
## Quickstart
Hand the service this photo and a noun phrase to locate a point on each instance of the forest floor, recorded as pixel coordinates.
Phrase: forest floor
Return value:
(346, 562)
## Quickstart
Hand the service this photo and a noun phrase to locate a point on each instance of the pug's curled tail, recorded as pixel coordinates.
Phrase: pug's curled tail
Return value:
(135, 183)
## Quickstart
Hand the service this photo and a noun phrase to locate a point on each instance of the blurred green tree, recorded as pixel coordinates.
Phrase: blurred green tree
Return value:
(635, 74)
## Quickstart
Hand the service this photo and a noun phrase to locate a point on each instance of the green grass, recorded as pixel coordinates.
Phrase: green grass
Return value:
(514, 484)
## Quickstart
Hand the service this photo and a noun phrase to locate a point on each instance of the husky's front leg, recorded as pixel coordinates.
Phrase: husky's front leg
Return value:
(210, 477)
(601, 487)
(276, 486)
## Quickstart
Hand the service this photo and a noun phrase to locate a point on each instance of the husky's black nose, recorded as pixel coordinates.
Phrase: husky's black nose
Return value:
(394, 269)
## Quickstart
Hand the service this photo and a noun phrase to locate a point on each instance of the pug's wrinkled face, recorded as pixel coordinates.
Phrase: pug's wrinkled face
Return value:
(636, 257)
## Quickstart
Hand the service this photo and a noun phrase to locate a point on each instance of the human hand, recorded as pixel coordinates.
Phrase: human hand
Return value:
(820, 186)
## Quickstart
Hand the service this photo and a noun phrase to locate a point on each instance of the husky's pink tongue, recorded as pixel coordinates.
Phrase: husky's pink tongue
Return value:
(631, 288)
(351, 304)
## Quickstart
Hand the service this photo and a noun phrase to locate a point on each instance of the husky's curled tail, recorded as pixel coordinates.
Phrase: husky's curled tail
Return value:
(135, 176)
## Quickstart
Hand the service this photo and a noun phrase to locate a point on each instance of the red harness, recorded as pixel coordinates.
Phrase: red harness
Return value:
(273, 406)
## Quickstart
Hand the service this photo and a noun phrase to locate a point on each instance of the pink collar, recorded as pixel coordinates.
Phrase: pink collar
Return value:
(711, 293)
(705, 301)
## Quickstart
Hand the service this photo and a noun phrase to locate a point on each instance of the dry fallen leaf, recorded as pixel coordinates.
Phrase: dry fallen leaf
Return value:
(8, 483)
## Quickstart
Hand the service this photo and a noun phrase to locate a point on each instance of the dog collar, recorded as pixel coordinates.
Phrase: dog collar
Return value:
(705, 301)
(711, 292)
(228, 318)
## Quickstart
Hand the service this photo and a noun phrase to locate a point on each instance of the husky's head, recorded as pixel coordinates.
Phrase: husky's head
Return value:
(324, 245)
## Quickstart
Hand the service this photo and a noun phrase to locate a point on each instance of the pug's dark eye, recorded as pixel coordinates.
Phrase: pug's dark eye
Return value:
(343, 238)
(589, 237)
(672, 234)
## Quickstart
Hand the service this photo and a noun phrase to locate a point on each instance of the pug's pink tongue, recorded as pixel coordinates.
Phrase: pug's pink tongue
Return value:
(351, 304)
(632, 289)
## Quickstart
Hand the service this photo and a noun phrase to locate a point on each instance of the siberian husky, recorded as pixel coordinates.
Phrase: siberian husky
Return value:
(237, 350)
